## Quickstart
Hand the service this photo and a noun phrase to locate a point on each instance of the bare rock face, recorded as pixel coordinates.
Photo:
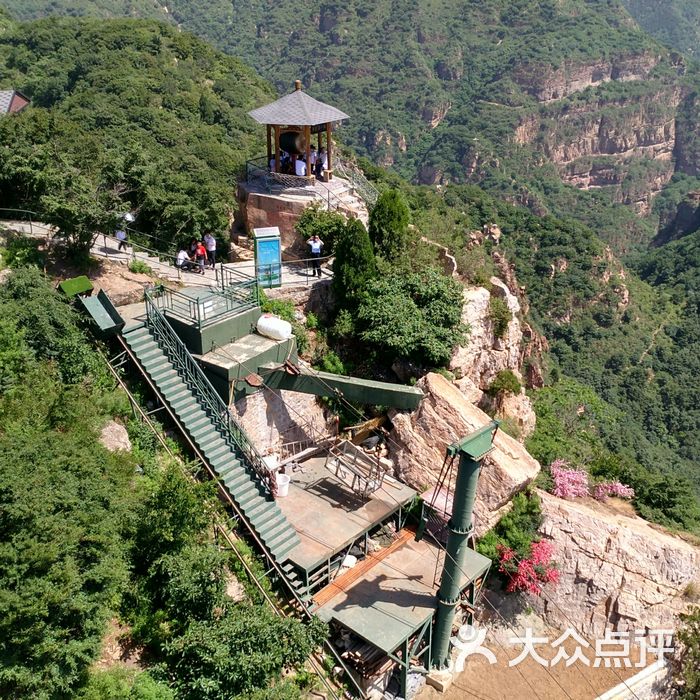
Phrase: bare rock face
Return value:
(115, 437)
(484, 355)
(272, 419)
(617, 571)
(419, 440)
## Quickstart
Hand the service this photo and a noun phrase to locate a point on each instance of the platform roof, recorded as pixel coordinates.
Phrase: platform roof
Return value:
(298, 109)
(396, 596)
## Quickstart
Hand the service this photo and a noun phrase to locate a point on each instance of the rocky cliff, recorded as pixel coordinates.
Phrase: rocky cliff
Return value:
(616, 570)
(446, 414)
(547, 83)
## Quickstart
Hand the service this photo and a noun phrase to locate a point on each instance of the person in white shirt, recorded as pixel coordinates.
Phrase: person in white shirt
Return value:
(316, 246)
(300, 168)
(312, 159)
(210, 245)
(183, 260)
(321, 163)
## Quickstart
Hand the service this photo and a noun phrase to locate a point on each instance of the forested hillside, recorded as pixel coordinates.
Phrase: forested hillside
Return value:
(125, 115)
(520, 97)
(674, 22)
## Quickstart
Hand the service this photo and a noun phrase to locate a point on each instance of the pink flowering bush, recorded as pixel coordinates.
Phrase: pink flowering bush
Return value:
(573, 483)
(602, 491)
(568, 482)
(531, 573)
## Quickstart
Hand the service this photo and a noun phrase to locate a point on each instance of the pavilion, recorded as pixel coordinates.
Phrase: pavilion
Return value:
(292, 120)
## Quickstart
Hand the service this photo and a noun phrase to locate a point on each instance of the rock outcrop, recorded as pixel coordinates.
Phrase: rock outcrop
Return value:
(547, 83)
(419, 440)
(616, 570)
(484, 355)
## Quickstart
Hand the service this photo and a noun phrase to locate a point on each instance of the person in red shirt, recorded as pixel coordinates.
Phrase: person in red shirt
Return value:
(201, 256)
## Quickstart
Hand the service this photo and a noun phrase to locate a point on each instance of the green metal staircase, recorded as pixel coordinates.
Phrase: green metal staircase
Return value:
(218, 438)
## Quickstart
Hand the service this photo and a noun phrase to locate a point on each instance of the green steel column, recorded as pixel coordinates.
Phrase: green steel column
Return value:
(460, 527)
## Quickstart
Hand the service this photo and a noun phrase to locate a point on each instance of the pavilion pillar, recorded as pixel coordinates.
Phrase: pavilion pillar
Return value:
(277, 147)
(329, 148)
(269, 145)
(307, 143)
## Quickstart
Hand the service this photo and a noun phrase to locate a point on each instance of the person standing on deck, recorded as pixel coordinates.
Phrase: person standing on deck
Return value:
(201, 255)
(316, 246)
(210, 244)
(321, 163)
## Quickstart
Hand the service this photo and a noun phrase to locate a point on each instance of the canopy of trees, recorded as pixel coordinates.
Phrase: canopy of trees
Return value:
(125, 115)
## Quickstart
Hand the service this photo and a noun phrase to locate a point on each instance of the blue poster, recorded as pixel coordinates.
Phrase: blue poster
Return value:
(269, 262)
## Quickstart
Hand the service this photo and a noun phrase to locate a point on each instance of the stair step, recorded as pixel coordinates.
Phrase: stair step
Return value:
(281, 552)
(275, 526)
(277, 543)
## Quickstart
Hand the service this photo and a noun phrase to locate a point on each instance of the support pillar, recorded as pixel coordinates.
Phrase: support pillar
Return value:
(277, 147)
(460, 527)
(269, 145)
(307, 145)
(329, 149)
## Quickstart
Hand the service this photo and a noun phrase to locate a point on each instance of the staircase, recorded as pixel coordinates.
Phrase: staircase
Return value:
(219, 440)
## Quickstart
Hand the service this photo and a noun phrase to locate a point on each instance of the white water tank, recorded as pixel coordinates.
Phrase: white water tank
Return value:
(274, 327)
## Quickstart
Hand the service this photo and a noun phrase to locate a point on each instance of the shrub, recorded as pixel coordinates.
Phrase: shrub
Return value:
(388, 226)
(500, 316)
(311, 321)
(531, 573)
(505, 382)
(330, 362)
(21, 251)
(327, 225)
(568, 483)
(603, 490)
(140, 267)
(344, 326)
(413, 316)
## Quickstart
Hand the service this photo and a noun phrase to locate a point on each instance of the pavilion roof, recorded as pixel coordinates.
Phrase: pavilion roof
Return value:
(299, 109)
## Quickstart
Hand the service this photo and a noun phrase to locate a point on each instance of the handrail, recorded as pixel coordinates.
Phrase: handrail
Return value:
(205, 393)
(357, 179)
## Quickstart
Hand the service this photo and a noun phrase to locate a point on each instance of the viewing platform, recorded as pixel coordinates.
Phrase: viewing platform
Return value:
(295, 172)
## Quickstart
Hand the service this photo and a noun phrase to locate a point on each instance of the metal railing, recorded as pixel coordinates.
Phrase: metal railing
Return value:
(204, 392)
(257, 170)
(359, 182)
(210, 309)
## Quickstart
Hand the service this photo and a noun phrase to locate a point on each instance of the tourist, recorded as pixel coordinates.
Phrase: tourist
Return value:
(321, 163)
(300, 167)
(121, 237)
(182, 261)
(192, 249)
(316, 245)
(313, 156)
(201, 256)
(210, 244)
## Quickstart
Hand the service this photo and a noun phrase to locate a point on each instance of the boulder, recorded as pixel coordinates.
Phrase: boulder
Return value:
(419, 439)
(115, 437)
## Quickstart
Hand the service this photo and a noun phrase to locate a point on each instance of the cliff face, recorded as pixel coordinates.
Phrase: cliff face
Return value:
(546, 83)
(627, 141)
(419, 440)
(616, 570)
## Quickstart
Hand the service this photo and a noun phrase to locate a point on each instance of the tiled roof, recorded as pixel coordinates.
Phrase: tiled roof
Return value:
(299, 109)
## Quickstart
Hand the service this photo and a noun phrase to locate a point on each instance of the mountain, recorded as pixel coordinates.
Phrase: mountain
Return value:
(521, 97)
(675, 23)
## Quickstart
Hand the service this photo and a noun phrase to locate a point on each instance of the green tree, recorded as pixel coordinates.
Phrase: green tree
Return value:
(242, 652)
(686, 668)
(388, 226)
(327, 225)
(414, 316)
(354, 264)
